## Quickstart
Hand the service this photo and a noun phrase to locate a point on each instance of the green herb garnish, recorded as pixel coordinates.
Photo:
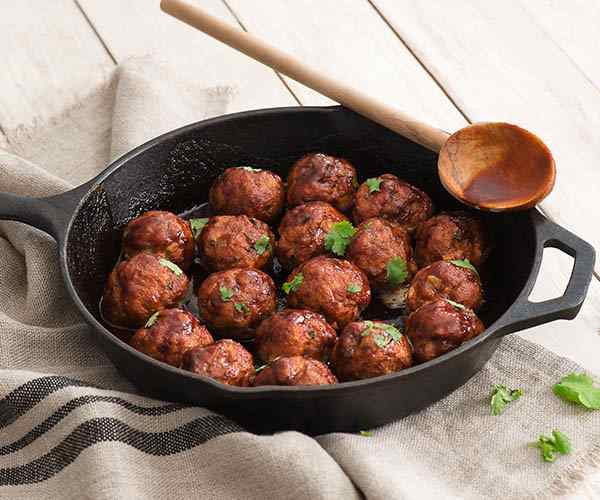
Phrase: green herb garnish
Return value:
(381, 340)
(241, 307)
(173, 267)
(367, 434)
(368, 325)
(354, 288)
(579, 388)
(501, 396)
(152, 319)
(262, 244)
(549, 446)
(339, 236)
(226, 293)
(373, 184)
(397, 271)
(466, 264)
(293, 285)
(391, 330)
(250, 169)
(455, 304)
(197, 225)
(392, 333)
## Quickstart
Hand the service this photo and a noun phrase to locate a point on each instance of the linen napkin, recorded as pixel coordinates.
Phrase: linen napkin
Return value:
(72, 427)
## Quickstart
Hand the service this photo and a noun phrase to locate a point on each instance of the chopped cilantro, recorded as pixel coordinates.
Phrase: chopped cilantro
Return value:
(197, 225)
(466, 264)
(549, 446)
(241, 307)
(262, 244)
(293, 285)
(339, 236)
(578, 388)
(501, 396)
(373, 184)
(354, 288)
(397, 271)
(226, 293)
(173, 267)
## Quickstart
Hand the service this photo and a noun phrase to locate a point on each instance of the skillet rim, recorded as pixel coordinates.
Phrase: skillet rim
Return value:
(267, 390)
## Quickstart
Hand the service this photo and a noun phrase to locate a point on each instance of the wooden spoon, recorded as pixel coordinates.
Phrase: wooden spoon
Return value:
(490, 166)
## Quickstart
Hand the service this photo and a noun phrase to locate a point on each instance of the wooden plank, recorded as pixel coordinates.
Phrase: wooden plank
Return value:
(139, 27)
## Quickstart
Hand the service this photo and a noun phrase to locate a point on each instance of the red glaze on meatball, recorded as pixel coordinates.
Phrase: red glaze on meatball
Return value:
(295, 370)
(445, 280)
(450, 236)
(335, 288)
(294, 332)
(139, 286)
(368, 349)
(303, 230)
(229, 241)
(169, 334)
(235, 301)
(438, 327)
(388, 197)
(320, 177)
(225, 361)
(248, 191)
(376, 244)
(160, 233)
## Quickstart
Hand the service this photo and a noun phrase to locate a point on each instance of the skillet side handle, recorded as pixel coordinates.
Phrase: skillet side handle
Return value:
(526, 314)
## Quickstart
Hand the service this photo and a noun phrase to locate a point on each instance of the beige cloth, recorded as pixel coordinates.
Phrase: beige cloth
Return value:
(72, 427)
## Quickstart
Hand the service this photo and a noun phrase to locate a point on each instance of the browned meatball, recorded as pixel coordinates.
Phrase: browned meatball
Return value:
(445, 280)
(235, 301)
(320, 177)
(140, 286)
(388, 197)
(295, 370)
(381, 248)
(440, 326)
(449, 236)
(169, 334)
(368, 349)
(303, 230)
(225, 361)
(229, 241)
(294, 332)
(335, 288)
(160, 233)
(248, 191)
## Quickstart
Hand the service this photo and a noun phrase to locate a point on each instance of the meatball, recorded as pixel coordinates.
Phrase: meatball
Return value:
(229, 241)
(451, 236)
(319, 177)
(445, 280)
(169, 334)
(303, 230)
(248, 191)
(388, 197)
(368, 349)
(225, 361)
(235, 301)
(294, 332)
(440, 326)
(295, 370)
(160, 233)
(139, 286)
(382, 250)
(335, 288)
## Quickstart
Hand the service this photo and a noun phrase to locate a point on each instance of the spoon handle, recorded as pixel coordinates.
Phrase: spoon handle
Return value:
(251, 45)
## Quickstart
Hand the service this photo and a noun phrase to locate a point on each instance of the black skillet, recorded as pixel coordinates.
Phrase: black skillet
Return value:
(174, 172)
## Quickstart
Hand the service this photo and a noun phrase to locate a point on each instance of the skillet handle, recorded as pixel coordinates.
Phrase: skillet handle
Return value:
(526, 314)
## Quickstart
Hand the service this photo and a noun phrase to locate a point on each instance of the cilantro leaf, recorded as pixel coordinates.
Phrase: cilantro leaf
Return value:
(392, 331)
(381, 340)
(262, 244)
(339, 236)
(397, 271)
(226, 293)
(293, 285)
(549, 446)
(368, 325)
(197, 225)
(152, 319)
(578, 388)
(250, 169)
(241, 307)
(373, 184)
(366, 433)
(466, 264)
(501, 396)
(562, 442)
(354, 288)
(172, 266)
(455, 304)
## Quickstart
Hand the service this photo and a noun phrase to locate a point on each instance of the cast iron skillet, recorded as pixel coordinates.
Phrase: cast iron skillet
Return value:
(174, 171)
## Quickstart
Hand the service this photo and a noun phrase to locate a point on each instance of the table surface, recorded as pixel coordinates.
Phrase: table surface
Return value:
(531, 62)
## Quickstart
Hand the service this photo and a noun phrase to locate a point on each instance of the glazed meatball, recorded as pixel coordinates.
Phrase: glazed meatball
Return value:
(139, 286)
(368, 349)
(225, 361)
(388, 197)
(235, 301)
(380, 246)
(450, 236)
(319, 177)
(295, 370)
(169, 334)
(294, 332)
(248, 191)
(445, 280)
(335, 288)
(229, 241)
(440, 326)
(160, 233)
